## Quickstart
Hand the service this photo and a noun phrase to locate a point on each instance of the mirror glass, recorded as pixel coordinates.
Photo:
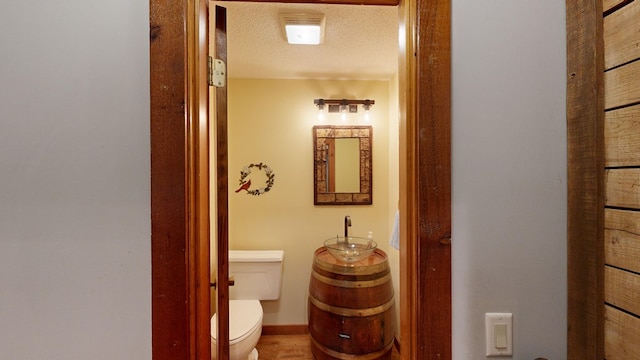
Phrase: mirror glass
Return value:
(342, 165)
(347, 166)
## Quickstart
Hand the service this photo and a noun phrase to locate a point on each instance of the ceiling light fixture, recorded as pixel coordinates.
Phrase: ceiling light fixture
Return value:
(305, 29)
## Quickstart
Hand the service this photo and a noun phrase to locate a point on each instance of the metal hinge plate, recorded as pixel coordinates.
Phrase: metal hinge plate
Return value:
(217, 72)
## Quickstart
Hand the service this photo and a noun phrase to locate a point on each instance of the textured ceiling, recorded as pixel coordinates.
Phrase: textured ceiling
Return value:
(360, 42)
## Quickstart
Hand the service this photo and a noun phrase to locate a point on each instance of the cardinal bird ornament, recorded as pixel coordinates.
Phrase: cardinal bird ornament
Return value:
(246, 185)
(245, 182)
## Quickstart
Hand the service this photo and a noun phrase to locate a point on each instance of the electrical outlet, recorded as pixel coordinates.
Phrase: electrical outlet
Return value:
(499, 331)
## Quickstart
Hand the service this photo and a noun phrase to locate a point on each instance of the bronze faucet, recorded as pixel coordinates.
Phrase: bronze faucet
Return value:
(347, 224)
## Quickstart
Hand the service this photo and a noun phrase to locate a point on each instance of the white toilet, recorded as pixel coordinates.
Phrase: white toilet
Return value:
(258, 276)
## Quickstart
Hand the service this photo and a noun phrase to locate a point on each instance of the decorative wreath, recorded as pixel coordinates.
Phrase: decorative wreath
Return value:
(246, 184)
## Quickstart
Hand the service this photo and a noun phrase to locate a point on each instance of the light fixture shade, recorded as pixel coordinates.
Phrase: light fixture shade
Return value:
(303, 34)
(307, 29)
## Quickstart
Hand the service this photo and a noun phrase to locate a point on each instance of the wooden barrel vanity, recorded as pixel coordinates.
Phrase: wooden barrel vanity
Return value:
(351, 308)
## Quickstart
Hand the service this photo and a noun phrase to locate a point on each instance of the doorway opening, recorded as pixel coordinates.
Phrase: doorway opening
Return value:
(177, 215)
(270, 118)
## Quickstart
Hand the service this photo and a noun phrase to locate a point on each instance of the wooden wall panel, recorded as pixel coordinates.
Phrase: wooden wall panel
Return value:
(622, 35)
(603, 167)
(609, 5)
(622, 289)
(622, 188)
(621, 86)
(622, 335)
(622, 137)
(621, 28)
(622, 239)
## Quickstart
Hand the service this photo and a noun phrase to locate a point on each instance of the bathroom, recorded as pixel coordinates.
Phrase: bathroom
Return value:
(509, 179)
(270, 122)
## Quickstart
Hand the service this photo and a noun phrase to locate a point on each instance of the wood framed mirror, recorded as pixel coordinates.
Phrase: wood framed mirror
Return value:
(342, 165)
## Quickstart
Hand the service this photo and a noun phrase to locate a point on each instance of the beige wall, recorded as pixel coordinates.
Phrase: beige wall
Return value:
(270, 121)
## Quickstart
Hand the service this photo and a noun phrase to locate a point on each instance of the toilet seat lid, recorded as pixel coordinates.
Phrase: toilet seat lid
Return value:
(244, 317)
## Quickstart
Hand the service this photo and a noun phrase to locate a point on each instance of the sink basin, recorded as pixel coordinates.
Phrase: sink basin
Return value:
(351, 249)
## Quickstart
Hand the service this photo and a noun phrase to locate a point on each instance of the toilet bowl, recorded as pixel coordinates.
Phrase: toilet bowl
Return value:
(245, 328)
(258, 276)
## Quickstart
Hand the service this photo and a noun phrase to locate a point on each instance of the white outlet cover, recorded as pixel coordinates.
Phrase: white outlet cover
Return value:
(491, 320)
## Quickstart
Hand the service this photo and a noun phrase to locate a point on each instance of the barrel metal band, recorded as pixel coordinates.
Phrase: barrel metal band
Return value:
(352, 284)
(351, 312)
(343, 356)
(352, 270)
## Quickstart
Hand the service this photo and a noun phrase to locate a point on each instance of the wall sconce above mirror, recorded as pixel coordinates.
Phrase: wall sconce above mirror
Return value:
(342, 165)
(343, 106)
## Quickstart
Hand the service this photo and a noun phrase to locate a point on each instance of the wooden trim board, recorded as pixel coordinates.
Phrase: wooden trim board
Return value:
(585, 118)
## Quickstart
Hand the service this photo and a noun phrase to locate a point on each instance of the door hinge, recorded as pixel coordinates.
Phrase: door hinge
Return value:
(217, 72)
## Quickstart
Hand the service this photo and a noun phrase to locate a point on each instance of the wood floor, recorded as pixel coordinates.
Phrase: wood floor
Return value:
(290, 347)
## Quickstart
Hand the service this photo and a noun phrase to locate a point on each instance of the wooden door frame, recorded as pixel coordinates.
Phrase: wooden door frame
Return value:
(180, 222)
(179, 180)
(585, 180)
(425, 180)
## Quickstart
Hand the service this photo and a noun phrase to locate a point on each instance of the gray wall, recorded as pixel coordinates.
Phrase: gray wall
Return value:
(509, 174)
(74, 186)
(75, 265)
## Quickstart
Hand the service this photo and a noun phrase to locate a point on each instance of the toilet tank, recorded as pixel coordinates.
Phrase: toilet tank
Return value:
(257, 274)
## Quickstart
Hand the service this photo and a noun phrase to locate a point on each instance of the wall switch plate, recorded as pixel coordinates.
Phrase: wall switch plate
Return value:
(499, 331)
